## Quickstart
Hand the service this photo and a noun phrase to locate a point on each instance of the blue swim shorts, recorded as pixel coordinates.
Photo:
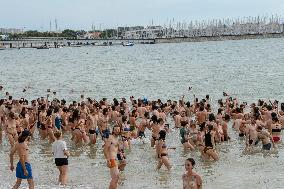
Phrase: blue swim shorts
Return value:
(20, 171)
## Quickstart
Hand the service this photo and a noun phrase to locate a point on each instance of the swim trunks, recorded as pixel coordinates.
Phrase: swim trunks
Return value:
(266, 146)
(20, 171)
(61, 161)
(112, 163)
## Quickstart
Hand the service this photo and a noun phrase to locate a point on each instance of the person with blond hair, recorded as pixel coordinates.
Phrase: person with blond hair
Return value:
(61, 154)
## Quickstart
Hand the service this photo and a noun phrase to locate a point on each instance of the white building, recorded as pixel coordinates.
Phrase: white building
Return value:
(151, 32)
(11, 30)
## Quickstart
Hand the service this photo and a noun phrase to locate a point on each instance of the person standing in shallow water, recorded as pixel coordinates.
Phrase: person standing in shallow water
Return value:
(61, 154)
(191, 180)
(110, 152)
(23, 169)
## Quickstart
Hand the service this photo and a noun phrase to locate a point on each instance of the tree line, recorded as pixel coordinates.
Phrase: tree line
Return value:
(68, 33)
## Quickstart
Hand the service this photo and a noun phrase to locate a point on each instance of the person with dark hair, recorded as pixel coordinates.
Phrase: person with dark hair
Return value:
(113, 115)
(191, 180)
(155, 128)
(41, 120)
(49, 125)
(64, 117)
(133, 124)
(201, 115)
(184, 134)
(11, 129)
(56, 118)
(209, 141)
(144, 123)
(177, 119)
(162, 151)
(276, 129)
(224, 124)
(103, 124)
(91, 125)
(110, 149)
(251, 134)
(141, 109)
(265, 138)
(23, 169)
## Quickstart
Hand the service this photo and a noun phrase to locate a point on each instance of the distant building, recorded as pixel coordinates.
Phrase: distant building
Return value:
(92, 35)
(151, 32)
(123, 30)
(11, 31)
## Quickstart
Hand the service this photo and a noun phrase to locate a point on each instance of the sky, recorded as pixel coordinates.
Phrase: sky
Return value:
(82, 14)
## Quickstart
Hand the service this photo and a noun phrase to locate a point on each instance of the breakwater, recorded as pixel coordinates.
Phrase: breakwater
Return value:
(218, 38)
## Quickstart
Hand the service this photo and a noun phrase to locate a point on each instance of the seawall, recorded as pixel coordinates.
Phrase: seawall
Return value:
(218, 38)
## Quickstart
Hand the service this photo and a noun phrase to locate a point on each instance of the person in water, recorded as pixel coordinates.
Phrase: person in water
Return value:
(23, 169)
(191, 180)
(162, 151)
(265, 138)
(111, 149)
(61, 154)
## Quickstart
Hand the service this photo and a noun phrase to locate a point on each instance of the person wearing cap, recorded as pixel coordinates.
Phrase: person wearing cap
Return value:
(23, 169)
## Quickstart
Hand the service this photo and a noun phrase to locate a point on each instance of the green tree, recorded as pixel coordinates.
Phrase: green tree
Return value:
(69, 33)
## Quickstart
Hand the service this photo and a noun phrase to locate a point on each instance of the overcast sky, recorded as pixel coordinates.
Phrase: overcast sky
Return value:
(81, 14)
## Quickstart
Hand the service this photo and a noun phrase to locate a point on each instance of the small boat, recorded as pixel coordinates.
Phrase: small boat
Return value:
(129, 44)
(43, 47)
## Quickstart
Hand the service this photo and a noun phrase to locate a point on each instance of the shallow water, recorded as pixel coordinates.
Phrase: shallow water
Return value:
(248, 69)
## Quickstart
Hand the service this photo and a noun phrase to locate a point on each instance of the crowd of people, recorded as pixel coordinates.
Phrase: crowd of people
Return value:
(119, 121)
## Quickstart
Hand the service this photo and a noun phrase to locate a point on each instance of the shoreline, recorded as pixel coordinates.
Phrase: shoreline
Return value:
(218, 38)
(57, 43)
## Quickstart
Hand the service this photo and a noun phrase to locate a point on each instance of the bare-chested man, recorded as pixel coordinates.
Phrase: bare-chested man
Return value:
(23, 169)
(91, 124)
(201, 115)
(110, 151)
(145, 123)
(177, 118)
(141, 110)
(265, 138)
(103, 124)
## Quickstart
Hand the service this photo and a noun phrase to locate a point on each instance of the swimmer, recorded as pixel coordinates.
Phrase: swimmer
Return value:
(191, 180)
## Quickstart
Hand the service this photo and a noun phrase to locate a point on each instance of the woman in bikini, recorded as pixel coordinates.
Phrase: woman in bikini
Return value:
(276, 130)
(162, 151)
(155, 128)
(191, 180)
(133, 124)
(125, 133)
(49, 125)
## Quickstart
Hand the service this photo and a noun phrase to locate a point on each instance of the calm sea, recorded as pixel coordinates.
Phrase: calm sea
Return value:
(247, 69)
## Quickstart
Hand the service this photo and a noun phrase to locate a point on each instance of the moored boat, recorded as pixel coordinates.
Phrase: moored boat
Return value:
(129, 44)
